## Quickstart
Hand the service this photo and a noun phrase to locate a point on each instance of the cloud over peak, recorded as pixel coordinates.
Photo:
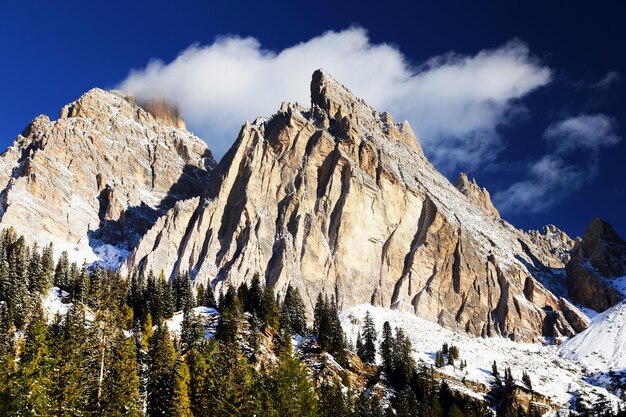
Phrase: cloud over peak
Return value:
(558, 174)
(454, 102)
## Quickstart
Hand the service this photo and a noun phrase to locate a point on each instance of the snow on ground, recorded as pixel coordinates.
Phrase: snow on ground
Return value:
(602, 347)
(110, 256)
(552, 375)
(208, 316)
(53, 304)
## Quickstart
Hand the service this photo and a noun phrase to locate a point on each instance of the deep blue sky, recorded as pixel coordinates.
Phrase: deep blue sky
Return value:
(52, 52)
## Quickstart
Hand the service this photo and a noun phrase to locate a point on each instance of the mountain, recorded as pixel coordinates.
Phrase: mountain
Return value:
(338, 198)
(596, 272)
(93, 181)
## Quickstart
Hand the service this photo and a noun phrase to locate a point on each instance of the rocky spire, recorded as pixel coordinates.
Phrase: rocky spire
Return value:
(479, 196)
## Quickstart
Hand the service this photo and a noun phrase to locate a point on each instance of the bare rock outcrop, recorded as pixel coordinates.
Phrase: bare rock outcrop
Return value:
(339, 198)
(476, 194)
(552, 244)
(596, 260)
(93, 181)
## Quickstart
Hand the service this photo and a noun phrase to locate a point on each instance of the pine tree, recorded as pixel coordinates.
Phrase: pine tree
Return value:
(255, 296)
(61, 273)
(209, 296)
(496, 375)
(369, 339)
(120, 393)
(200, 295)
(450, 359)
(386, 346)
(403, 362)
(191, 330)
(31, 385)
(228, 325)
(359, 347)
(71, 352)
(181, 405)
(160, 372)
(229, 385)
(332, 401)
(293, 312)
(7, 358)
(338, 338)
(526, 380)
(288, 389)
(167, 300)
(47, 268)
(508, 378)
(270, 312)
(439, 359)
(454, 352)
(17, 296)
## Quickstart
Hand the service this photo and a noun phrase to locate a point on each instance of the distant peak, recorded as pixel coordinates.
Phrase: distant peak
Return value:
(601, 229)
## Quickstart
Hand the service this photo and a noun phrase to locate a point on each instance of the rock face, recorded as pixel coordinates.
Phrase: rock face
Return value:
(339, 198)
(478, 195)
(99, 176)
(596, 260)
(553, 244)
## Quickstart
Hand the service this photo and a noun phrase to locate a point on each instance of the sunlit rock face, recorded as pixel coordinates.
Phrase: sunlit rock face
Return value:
(93, 181)
(341, 199)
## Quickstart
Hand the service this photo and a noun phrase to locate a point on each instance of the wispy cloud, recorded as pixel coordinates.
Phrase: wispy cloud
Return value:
(558, 174)
(454, 102)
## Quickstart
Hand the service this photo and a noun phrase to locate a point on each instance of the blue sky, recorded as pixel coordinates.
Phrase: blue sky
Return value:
(526, 97)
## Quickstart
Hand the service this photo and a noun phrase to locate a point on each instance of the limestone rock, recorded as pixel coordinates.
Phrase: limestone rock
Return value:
(553, 245)
(597, 258)
(93, 181)
(339, 198)
(476, 194)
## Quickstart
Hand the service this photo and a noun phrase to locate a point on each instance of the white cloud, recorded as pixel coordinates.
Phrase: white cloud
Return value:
(582, 132)
(455, 103)
(558, 174)
(609, 79)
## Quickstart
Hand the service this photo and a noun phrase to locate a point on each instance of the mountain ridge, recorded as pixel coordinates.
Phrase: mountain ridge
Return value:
(291, 200)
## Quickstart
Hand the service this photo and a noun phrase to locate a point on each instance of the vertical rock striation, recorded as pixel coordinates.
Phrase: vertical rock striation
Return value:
(340, 198)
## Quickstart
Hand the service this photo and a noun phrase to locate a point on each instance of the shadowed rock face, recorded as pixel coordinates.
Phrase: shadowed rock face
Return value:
(596, 259)
(100, 174)
(339, 198)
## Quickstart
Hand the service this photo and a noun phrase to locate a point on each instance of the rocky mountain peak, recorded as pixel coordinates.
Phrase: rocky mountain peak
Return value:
(336, 109)
(597, 259)
(477, 195)
(340, 199)
(93, 181)
(600, 230)
(333, 98)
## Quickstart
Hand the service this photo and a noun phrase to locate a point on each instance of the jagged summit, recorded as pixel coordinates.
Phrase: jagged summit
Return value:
(597, 267)
(339, 198)
(478, 195)
(94, 180)
(601, 230)
(98, 103)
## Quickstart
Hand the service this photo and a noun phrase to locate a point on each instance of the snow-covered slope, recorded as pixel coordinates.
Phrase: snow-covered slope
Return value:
(554, 376)
(208, 317)
(602, 347)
